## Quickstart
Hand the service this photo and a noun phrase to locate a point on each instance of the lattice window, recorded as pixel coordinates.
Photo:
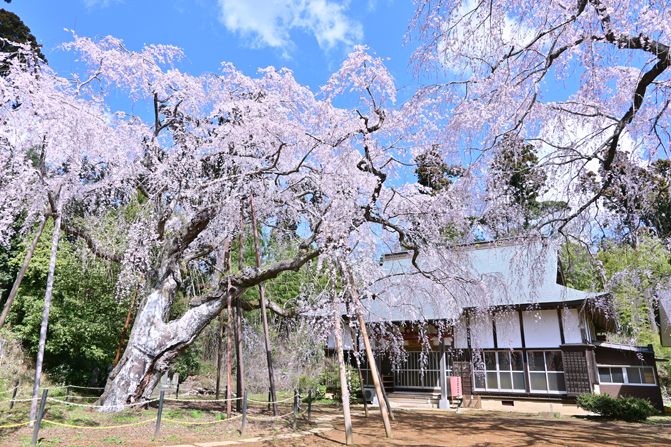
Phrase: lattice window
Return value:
(576, 373)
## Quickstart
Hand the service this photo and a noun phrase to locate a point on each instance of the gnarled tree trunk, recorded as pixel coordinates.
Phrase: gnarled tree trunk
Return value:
(153, 345)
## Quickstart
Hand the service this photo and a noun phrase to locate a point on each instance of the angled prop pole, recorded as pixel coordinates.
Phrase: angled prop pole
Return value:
(369, 351)
(45, 314)
(125, 328)
(240, 373)
(264, 314)
(26, 262)
(355, 343)
(229, 328)
(344, 390)
(220, 345)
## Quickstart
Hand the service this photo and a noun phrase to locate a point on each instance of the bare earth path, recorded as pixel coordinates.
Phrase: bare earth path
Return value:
(488, 429)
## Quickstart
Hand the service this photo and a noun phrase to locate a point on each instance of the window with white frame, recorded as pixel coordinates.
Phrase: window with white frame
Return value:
(627, 375)
(500, 371)
(546, 372)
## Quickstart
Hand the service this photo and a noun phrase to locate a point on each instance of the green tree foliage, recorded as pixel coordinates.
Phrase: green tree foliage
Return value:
(632, 275)
(8, 269)
(638, 197)
(434, 174)
(515, 168)
(86, 317)
(12, 29)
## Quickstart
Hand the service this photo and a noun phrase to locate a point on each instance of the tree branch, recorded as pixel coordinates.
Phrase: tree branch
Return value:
(92, 243)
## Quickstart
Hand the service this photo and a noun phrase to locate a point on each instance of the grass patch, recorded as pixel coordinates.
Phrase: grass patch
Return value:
(175, 413)
(125, 417)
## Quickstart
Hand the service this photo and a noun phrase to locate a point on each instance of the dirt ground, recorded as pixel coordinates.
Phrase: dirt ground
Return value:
(411, 428)
(489, 429)
(208, 420)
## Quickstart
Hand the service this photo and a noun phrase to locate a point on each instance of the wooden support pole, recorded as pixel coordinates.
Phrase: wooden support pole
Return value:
(295, 408)
(355, 346)
(264, 315)
(220, 345)
(125, 328)
(38, 422)
(229, 329)
(26, 260)
(67, 393)
(309, 404)
(369, 353)
(24, 267)
(240, 374)
(157, 431)
(386, 399)
(344, 389)
(45, 314)
(220, 353)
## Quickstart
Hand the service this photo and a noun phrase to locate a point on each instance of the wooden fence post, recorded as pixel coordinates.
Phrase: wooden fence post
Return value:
(295, 407)
(36, 431)
(244, 413)
(309, 404)
(16, 389)
(67, 393)
(158, 417)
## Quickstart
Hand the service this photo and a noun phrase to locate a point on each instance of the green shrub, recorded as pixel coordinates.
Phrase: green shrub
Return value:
(330, 379)
(630, 409)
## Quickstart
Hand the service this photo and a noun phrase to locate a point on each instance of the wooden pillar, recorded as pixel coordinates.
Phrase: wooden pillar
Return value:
(369, 353)
(264, 316)
(561, 326)
(525, 360)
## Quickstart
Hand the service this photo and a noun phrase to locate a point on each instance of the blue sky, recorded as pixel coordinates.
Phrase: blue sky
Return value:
(311, 37)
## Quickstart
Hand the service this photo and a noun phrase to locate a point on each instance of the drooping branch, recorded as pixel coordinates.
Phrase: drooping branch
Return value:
(252, 276)
(93, 245)
(271, 305)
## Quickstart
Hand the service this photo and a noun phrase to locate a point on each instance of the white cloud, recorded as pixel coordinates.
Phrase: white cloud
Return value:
(269, 22)
(102, 3)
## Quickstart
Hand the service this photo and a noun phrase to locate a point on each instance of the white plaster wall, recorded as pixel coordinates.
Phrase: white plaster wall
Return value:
(346, 340)
(541, 328)
(460, 335)
(482, 331)
(508, 332)
(571, 323)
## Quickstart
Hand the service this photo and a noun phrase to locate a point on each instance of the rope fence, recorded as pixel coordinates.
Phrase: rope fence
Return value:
(99, 428)
(121, 406)
(158, 418)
